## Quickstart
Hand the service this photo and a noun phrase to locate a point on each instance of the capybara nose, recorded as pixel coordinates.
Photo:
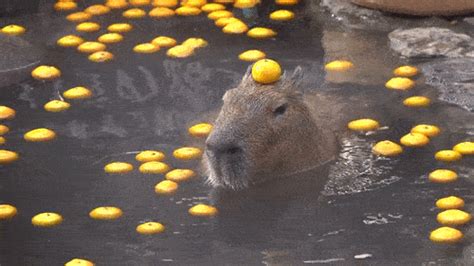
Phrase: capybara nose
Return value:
(223, 148)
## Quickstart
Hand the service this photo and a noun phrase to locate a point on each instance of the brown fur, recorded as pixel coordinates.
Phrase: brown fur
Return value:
(254, 141)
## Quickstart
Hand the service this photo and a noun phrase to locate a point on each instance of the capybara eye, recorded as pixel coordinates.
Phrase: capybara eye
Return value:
(280, 109)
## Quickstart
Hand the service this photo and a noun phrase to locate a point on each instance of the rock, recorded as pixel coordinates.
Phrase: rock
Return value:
(454, 80)
(430, 42)
(469, 20)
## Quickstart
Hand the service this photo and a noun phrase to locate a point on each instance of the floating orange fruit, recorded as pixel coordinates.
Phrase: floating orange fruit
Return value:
(7, 156)
(101, 57)
(414, 140)
(150, 156)
(451, 202)
(339, 65)
(446, 235)
(139, 2)
(150, 228)
(180, 51)
(261, 33)
(252, 55)
(211, 7)
(111, 37)
(7, 211)
(443, 176)
(3, 129)
(65, 6)
(448, 156)
(56, 106)
(202, 210)
(79, 262)
(39, 135)
(165, 3)
(97, 10)
(46, 73)
(195, 43)
(77, 93)
(161, 12)
(70, 41)
(154, 167)
(242, 4)
(387, 148)
(146, 48)
(282, 15)
(428, 130)
(6, 112)
(417, 101)
(222, 22)
(236, 27)
(120, 27)
(88, 27)
(164, 41)
(106, 213)
(193, 3)
(200, 130)
(166, 187)
(187, 11)
(118, 168)
(363, 124)
(220, 14)
(79, 16)
(453, 217)
(47, 219)
(400, 83)
(180, 175)
(286, 2)
(405, 71)
(465, 148)
(13, 30)
(134, 13)
(91, 47)
(116, 4)
(187, 153)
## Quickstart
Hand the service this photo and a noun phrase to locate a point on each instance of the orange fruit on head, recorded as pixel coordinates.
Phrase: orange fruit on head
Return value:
(266, 71)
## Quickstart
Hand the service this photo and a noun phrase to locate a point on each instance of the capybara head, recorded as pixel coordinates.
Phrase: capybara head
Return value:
(261, 132)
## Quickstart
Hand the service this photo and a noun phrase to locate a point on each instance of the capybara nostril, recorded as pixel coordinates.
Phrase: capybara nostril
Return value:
(223, 148)
(233, 150)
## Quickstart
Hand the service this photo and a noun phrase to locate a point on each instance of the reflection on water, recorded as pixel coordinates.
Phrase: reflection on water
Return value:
(368, 52)
(148, 103)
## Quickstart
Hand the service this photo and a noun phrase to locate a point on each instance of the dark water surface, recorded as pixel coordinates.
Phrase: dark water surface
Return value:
(370, 205)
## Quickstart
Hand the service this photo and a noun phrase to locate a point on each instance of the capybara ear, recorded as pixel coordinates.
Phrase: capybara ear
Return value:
(291, 83)
(297, 75)
(247, 80)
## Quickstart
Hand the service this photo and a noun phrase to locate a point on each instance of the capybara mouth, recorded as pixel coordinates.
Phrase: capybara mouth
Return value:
(226, 170)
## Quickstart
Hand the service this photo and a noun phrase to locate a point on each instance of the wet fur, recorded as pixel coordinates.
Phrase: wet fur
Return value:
(272, 146)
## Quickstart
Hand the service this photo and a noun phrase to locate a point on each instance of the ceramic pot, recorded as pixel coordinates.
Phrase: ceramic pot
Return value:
(421, 7)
